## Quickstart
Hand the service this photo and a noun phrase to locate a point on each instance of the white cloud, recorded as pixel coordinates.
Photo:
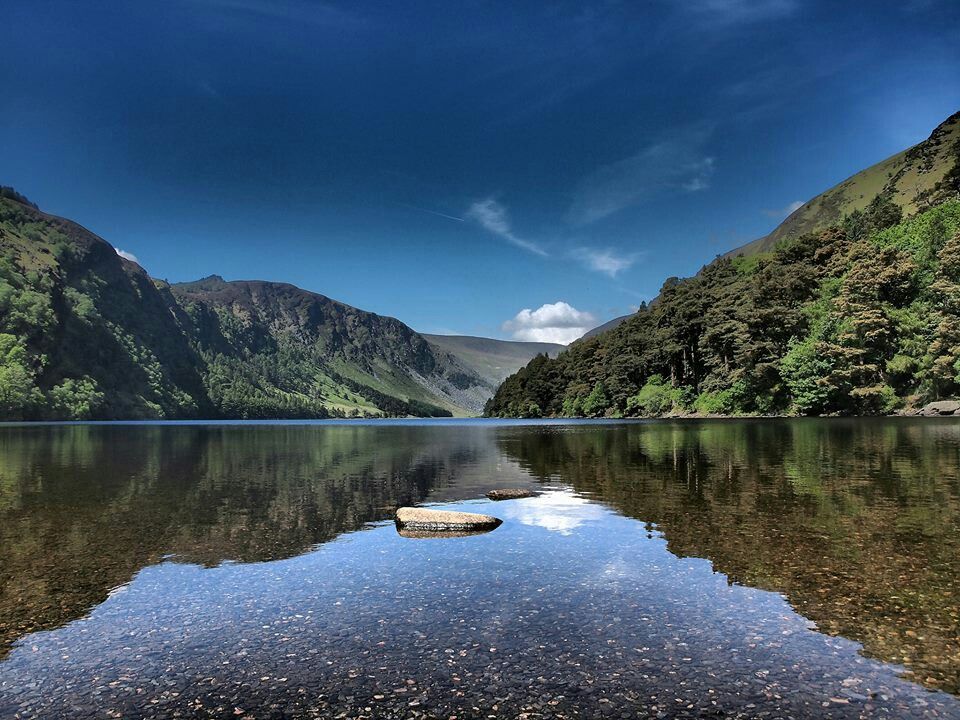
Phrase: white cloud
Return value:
(493, 217)
(677, 163)
(556, 322)
(785, 211)
(127, 256)
(604, 260)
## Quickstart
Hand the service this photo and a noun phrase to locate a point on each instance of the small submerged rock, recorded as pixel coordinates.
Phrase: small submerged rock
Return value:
(510, 493)
(411, 519)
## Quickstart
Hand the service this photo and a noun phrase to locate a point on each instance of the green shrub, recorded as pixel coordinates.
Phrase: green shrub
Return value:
(597, 402)
(802, 369)
(723, 402)
(75, 399)
(656, 397)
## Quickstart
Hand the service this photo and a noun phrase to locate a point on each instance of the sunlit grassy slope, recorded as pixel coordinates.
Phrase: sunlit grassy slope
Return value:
(909, 179)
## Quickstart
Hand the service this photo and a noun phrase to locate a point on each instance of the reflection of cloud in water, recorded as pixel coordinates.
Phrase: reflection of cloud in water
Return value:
(558, 511)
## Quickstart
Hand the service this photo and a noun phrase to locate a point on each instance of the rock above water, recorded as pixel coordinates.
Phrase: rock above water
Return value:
(942, 407)
(423, 519)
(510, 493)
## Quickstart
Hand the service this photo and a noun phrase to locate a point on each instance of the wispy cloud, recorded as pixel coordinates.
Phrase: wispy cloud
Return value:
(206, 88)
(304, 12)
(739, 12)
(784, 211)
(677, 163)
(433, 212)
(604, 260)
(493, 217)
(127, 255)
(556, 322)
(701, 171)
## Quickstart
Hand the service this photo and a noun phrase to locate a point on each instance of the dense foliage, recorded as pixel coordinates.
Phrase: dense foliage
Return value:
(861, 318)
(86, 334)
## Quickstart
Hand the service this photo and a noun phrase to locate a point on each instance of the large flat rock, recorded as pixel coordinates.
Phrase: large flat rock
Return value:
(942, 407)
(423, 519)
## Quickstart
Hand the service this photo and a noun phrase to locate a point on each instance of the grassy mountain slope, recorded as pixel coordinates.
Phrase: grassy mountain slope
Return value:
(77, 321)
(347, 355)
(493, 360)
(859, 317)
(915, 179)
(85, 333)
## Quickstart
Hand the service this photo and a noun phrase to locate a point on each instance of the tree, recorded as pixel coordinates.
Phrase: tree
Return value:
(879, 280)
(805, 371)
(17, 390)
(596, 402)
(656, 397)
(75, 399)
(944, 355)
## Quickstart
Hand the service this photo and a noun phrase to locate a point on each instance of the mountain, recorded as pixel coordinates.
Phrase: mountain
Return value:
(85, 333)
(852, 307)
(915, 179)
(492, 360)
(608, 325)
(348, 357)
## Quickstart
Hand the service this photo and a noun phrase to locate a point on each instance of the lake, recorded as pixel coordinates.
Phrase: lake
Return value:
(715, 568)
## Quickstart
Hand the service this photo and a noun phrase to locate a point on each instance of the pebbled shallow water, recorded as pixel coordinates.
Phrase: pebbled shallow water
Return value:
(720, 569)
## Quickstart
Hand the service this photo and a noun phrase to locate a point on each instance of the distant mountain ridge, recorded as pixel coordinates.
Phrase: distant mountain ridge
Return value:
(85, 333)
(493, 360)
(608, 325)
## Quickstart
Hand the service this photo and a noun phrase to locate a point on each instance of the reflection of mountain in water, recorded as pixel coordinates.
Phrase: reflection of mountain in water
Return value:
(856, 522)
(83, 508)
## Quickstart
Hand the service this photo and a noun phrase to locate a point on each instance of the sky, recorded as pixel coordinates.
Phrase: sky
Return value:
(506, 169)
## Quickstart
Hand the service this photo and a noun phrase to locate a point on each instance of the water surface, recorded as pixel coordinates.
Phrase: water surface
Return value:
(716, 569)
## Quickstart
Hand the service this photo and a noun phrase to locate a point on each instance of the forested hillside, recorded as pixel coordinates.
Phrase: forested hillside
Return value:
(861, 317)
(85, 333)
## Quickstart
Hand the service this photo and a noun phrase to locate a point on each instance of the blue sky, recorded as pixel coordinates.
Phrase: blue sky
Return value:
(454, 164)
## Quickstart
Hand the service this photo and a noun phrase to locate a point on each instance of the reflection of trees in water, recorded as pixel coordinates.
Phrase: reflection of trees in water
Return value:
(855, 521)
(83, 508)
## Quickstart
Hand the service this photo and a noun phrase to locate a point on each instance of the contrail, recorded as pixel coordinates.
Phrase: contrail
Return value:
(433, 212)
